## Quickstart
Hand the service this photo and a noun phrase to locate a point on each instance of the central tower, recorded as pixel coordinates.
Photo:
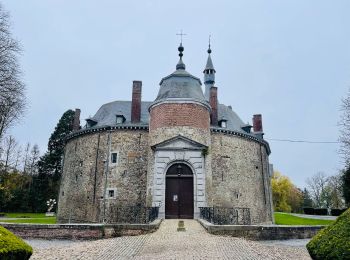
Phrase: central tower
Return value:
(179, 132)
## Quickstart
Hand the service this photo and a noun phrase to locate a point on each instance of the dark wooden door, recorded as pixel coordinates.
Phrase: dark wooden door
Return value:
(179, 192)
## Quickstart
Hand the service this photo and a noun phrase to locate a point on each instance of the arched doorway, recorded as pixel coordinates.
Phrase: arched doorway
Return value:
(179, 192)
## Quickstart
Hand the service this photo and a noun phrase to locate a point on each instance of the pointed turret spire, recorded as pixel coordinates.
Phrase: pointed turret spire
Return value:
(209, 73)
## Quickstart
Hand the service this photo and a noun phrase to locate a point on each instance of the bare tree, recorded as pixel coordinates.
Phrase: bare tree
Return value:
(335, 184)
(317, 184)
(12, 96)
(18, 158)
(9, 147)
(26, 158)
(34, 157)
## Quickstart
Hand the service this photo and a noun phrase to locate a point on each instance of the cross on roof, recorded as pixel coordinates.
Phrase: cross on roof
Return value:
(181, 34)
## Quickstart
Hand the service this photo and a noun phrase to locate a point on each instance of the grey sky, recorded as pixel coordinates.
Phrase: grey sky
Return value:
(289, 60)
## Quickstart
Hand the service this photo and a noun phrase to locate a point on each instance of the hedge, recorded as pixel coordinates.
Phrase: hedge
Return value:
(337, 212)
(332, 242)
(321, 211)
(309, 211)
(13, 247)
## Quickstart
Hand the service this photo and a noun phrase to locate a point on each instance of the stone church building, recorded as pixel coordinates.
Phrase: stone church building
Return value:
(180, 152)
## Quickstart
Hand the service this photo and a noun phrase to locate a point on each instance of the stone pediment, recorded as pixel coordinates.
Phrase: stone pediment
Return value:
(179, 142)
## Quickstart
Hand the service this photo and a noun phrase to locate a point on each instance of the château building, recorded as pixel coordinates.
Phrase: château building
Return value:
(180, 152)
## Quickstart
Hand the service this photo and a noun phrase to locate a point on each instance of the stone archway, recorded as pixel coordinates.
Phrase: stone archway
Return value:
(179, 192)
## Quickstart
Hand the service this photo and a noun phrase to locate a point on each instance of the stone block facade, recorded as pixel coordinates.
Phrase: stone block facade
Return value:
(91, 183)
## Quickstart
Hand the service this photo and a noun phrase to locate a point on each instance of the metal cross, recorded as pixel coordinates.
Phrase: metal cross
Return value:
(209, 39)
(181, 34)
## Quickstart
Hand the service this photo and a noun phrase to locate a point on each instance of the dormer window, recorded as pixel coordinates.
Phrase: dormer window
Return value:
(223, 122)
(90, 122)
(120, 119)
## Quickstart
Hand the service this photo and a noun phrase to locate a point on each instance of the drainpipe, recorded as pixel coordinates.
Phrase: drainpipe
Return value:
(106, 175)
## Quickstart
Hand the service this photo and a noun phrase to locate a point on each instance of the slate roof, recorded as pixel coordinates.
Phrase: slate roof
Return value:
(209, 65)
(180, 85)
(106, 115)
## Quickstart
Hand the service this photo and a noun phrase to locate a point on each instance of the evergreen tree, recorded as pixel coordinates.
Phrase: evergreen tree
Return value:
(346, 185)
(307, 200)
(46, 183)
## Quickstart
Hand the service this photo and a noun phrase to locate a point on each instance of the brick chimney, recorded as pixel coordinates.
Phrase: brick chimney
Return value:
(213, 100)
(136, 101)
(76, 120)
(257, 123)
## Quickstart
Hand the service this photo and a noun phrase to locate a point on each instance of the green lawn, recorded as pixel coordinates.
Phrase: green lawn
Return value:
(25, 215)
(48, 220)
(287, 219)
(35, 218)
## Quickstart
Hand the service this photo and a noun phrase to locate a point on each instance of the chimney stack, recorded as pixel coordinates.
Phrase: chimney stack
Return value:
(76, 120)
(257, 123)
(213, 100)
(136, 101)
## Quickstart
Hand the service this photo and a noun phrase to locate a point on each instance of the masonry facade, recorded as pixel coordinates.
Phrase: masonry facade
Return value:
(181, 152)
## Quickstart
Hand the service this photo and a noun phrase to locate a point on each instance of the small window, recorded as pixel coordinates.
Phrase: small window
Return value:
(111, 193)
(223, 124)
(114, 158)
(120, 119)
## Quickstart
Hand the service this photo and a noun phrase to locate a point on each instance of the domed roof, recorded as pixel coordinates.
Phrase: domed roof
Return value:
(180, 85)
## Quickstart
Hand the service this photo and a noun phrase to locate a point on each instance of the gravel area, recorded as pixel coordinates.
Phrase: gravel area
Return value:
(167, 243)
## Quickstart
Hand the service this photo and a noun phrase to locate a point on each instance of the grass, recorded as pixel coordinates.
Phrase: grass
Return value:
(34, 218)
(287, 219)
(47, 220)
(25, 215)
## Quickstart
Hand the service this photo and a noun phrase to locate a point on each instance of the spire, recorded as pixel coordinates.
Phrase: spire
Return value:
(209, 73)
(209, 65)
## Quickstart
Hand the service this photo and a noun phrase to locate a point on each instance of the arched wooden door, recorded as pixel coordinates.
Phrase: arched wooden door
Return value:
(179, 192)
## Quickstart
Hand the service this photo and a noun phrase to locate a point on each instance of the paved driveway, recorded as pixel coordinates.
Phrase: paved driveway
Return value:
(167, 243)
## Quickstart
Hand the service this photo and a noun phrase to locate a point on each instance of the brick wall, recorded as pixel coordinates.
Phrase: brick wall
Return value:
(179, 114)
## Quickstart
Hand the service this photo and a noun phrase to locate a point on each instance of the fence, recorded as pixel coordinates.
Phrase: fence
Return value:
(132, 215)
(226, 216)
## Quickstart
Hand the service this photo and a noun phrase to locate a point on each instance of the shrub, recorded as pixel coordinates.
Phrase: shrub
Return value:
(320, 211)
(309, 211)
(13, 247)
(332, 242)
(337, 212)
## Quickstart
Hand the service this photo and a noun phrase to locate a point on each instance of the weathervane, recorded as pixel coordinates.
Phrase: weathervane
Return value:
(181, 34)
(209, 50)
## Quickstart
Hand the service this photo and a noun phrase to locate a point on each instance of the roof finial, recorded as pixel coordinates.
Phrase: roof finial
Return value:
(209, 50)
(180, 64)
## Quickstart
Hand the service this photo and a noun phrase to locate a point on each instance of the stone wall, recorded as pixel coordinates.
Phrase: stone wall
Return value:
(262, 232)
(80, 231)
(90, 177)
(240, 176)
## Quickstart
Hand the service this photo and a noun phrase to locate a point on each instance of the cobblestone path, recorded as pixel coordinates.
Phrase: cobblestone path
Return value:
(167, 243)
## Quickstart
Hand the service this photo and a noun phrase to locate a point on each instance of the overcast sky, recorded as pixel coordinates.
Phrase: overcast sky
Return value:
(288, 60)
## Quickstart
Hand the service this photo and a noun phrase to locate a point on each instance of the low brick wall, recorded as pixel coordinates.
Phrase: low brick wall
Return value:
(262, 232)
(80, 231)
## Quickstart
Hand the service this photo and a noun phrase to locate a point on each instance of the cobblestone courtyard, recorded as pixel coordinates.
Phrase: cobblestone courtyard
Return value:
(167, 243)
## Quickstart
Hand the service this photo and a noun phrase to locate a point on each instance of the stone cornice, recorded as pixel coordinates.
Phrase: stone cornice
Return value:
(105, 128)
(250, 137)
